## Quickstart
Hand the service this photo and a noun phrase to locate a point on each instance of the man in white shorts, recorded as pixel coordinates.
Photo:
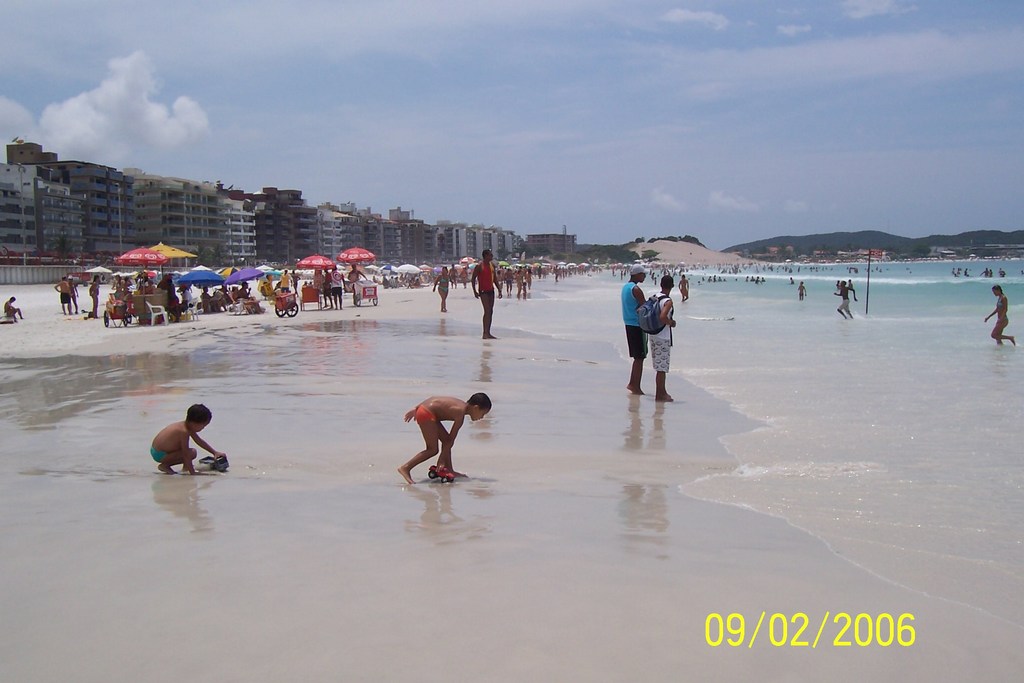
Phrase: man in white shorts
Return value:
(661, 343)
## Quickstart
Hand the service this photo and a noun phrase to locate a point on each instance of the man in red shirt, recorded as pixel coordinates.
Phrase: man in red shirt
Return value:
(483, 289)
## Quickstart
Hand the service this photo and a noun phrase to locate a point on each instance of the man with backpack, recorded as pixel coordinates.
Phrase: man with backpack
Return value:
(632, 298)
(661, 341)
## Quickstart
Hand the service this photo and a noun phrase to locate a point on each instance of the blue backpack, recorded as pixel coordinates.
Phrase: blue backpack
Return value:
(649, 314)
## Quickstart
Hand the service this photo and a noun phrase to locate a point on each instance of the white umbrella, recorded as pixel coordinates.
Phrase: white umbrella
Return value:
(408, 268)
(201, 268)
(100, 269)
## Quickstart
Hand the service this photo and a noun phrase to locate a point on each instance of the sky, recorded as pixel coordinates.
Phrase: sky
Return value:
(731, 120)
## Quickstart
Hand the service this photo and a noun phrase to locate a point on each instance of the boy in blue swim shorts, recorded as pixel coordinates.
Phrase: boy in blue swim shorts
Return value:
(170, 447)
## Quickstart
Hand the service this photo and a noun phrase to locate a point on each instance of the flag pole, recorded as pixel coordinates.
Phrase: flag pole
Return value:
(867, 290)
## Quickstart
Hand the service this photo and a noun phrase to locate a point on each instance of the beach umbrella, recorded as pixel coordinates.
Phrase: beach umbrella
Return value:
(201, 278)
(356, 255)
(503, 264)
(316, 262)
(171, 252)
(100, 270)
(230, 270)
(202, 268)
(141, 257)
(424, 267)
(467, 259)
(243, 275)
(407, 268)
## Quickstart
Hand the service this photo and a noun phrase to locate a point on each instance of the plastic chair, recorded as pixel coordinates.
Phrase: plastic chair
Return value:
(155, 311)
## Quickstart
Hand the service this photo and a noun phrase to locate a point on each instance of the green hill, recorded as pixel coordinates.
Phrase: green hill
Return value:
(833, 242)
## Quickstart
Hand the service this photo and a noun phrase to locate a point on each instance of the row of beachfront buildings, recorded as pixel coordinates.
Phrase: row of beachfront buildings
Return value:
(85, 209)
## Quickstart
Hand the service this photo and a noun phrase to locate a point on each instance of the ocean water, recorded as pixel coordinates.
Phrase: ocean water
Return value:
(894, 437)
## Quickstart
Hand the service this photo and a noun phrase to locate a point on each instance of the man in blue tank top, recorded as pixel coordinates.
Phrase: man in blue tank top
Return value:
(632, 298)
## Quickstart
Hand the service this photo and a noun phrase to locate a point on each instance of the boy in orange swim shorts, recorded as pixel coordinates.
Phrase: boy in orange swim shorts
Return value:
(429, 415)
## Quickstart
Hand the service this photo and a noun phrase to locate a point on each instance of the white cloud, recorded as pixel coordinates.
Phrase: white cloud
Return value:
(862, 9)
(793, 30)
(119, 115)
(15, 120)
(795, 206)
(683, 16)
(923, 56)
(664, 200)
(720, 201)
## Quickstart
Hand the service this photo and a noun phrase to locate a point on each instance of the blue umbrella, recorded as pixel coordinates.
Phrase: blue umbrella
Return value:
(201, 278)
(244, 274)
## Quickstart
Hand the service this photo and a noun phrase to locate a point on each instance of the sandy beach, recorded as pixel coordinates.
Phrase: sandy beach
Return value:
(571, 552)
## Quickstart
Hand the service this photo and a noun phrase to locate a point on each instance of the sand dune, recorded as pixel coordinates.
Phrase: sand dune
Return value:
(690, 254)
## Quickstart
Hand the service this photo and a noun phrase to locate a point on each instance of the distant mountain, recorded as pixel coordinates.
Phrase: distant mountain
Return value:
(875, 239)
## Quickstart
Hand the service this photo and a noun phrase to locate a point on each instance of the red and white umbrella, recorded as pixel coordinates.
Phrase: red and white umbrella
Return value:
(143, 256)
(356, 255)
(316, 262)
(465, 260)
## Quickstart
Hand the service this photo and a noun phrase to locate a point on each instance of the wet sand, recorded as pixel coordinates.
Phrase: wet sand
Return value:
(569, 553)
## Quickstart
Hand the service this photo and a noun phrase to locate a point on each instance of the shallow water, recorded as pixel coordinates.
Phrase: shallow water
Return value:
(894, 436)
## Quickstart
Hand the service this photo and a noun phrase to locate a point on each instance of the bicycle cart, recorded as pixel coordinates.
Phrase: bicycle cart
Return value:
(118, 311)
(286, 304)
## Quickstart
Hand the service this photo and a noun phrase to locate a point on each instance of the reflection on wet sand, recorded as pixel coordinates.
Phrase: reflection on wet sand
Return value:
(644, 514)
(438, 521)
(44, 392)
(485, 366)
(633, 435)
(179, 495)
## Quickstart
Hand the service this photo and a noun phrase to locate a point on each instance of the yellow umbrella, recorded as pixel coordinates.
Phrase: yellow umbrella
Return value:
(172, 252)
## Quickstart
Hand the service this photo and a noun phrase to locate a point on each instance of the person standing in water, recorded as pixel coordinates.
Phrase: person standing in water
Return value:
(1002, 317)
(636, 339)
(484, 285)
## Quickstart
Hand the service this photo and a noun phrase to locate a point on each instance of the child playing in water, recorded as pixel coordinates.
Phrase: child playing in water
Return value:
(429, 414)
(170, 447)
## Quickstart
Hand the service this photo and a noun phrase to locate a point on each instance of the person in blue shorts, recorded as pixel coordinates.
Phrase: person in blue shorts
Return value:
(170, 447)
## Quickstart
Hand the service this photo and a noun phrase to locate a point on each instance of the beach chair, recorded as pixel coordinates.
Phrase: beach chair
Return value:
(310, 295)
(155, 311)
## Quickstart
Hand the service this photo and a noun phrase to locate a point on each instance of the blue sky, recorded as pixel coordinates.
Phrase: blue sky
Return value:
(730, 120)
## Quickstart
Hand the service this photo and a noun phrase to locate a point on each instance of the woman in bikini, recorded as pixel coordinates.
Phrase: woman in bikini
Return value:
(1002, 318)
(441, 283)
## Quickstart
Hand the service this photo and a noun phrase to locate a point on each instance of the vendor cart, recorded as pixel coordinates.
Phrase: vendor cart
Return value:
(118, 311)
(364, 292)
(286, 304)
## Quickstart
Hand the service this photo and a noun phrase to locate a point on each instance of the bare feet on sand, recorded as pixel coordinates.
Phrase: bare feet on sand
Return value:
(405, 474)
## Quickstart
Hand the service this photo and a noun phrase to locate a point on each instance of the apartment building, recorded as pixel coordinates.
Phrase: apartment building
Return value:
(240, 214)
(188, 214)
(106, 194)
(286, 228)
